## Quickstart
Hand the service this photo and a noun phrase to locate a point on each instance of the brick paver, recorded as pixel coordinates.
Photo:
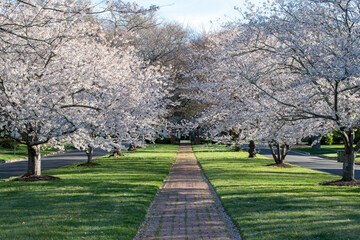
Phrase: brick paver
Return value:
(184, 207)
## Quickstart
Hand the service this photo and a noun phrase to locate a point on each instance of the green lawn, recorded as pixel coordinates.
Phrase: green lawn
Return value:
(325, 150)
(105, 202)
(7, 154)
(272, 203)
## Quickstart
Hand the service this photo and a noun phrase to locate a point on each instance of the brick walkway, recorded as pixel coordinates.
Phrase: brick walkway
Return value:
(184, 208)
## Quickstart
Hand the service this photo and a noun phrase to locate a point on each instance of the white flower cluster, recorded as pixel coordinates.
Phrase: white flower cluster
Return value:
(60, 78)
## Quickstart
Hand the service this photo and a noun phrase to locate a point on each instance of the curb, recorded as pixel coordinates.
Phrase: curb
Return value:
(302, 153)
(25, 159)
(317, 155)
(12, 161)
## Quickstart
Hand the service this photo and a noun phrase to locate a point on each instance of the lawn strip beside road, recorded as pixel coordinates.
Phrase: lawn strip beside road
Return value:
(21, 152)
(312, 162)
(276, 203)
(52, 161)
(329, 151)
(105, 202)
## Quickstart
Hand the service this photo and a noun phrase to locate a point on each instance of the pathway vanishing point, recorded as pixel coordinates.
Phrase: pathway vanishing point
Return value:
(186, 206)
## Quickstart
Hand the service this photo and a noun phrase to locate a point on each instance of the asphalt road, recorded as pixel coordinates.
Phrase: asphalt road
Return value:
(50, 162)
(312, 162)
(74, 156)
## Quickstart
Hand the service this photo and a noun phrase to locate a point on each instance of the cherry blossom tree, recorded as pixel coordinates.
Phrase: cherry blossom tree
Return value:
(39, 87)
(60, 77)
(302, 58)
(314, 46)
(224, 79)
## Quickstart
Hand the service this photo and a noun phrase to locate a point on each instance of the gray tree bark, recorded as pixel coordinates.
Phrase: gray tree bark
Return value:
(132, 147)
(117, 153)
(349, 157)
(252, 149)
(237, 147)
(34, 160)
(317, 145)
(89, 152)
(282, 152)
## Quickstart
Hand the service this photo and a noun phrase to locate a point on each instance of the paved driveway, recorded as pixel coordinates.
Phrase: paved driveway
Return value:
(54, 161)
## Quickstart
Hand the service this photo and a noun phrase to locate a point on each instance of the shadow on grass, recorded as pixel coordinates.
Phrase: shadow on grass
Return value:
(268, 203)
(106, 202)
(292, 214)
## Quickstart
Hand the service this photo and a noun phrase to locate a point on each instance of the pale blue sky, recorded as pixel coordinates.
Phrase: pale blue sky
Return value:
(197, 14)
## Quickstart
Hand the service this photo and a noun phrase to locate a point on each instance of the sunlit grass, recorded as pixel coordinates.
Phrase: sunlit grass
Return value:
(276, 203)
(329, 151)
(105, 202)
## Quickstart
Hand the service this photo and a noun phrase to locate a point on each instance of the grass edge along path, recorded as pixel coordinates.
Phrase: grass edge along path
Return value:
(185, 206)
(275, 203)
(105, 202)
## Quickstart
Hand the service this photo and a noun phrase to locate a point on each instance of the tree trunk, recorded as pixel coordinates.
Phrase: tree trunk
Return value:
(132, 147)
(273, 152)
(349, 157)
(279, 158)
(89, 152)
(317, 145)
(34, 160)
(237, 146)
(117, 153)
(252, 149)
(282, 152)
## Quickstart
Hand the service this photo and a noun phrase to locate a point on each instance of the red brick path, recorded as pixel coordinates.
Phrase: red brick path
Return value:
(184, 207)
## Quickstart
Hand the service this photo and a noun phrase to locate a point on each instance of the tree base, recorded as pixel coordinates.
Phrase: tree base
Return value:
(35, 178)
(281, 165)
(116, 155)
(353, 183)
(89, 165)
(237, 148)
